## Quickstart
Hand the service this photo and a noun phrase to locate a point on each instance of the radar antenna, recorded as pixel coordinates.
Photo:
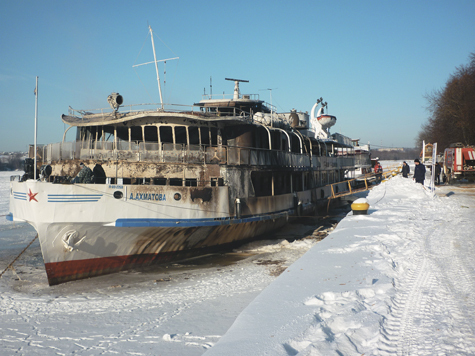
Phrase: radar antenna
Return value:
(236, 86)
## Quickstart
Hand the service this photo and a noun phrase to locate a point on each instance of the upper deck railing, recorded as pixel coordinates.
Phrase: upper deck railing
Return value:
(229, 96)
(195, 110)
(196, 154)
(135, 108)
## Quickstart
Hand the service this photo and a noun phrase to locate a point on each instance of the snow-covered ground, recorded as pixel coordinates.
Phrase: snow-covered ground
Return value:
(178, 310)
(398, 281)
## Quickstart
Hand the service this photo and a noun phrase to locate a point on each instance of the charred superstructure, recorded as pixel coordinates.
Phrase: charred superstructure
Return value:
(176, 183)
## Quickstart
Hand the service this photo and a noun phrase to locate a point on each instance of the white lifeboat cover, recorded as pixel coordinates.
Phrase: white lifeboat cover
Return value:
(326, 120)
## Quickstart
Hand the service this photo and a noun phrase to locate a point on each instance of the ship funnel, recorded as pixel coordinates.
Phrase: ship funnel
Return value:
(115, 100)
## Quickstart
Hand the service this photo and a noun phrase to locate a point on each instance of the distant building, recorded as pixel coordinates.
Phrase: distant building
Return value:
(390, 149)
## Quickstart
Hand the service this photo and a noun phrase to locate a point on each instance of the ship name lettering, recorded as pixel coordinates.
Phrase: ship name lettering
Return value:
(148, 196)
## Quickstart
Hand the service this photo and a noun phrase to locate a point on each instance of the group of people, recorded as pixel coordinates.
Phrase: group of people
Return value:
(420, 171)
(87, 176)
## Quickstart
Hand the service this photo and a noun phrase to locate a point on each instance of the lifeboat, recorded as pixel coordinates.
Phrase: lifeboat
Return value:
(326, 120)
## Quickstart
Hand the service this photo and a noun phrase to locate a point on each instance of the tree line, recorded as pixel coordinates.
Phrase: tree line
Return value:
(408, 154)
(12, 162)
(452, 110)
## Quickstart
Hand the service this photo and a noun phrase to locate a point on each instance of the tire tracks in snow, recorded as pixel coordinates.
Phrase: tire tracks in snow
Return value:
(425, 318)
(399, 328)
(452, 259)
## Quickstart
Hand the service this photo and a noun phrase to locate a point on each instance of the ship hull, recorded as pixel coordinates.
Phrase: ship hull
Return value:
(107, 250)
(90, 234)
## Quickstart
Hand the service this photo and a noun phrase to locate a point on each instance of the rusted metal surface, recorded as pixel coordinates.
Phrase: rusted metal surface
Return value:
(159, 245)
(125, 169)
(203, 194)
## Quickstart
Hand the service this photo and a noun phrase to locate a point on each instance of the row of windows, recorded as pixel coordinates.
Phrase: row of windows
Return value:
(289, 182)
(284, 182)
(238, 135)
(175, 182)
(192, 135)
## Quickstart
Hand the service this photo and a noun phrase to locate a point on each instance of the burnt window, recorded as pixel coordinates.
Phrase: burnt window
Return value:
(275, 139)
(317, 179)
(214, 136)
(177, 182)
(180, 135)
(324, 150)
(316, 148)
(136, 134)
(151, 134)
(307, 181)
(262, 183)
(194, 135)
(160, 181)
(85, 135)
(122, 133)
(217, 182)
(262, 138)
(242, 136)
(284, 142)
(282, 183)
(297, 182)
(166, 134)
(191, 182)
(204, 131)
(295, 141)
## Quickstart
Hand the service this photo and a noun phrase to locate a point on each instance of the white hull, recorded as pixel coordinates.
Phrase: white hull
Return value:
(84, 231)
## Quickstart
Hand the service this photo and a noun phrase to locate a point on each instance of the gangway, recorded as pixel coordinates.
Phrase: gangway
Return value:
(367, 179)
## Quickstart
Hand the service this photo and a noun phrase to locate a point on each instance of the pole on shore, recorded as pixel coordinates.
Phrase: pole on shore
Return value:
(36, 126)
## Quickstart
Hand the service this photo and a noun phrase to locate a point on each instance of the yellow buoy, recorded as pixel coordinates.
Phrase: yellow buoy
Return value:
(360, 207)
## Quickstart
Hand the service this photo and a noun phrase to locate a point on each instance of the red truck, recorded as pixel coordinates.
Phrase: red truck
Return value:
(459, 163)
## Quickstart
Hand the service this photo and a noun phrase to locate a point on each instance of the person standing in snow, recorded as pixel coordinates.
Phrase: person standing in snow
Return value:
(438, 169)
(419, 172)
(405, 169)
(378, 171)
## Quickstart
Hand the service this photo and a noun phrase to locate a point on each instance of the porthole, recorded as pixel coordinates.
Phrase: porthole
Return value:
(118, 194)
(177, 196)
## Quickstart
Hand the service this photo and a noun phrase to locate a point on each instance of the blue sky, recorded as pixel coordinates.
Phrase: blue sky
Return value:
(372, 61)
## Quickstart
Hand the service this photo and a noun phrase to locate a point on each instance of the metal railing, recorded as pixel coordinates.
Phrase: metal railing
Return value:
(195, 154)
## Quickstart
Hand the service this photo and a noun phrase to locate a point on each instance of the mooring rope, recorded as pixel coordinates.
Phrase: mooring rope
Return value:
(21, 253)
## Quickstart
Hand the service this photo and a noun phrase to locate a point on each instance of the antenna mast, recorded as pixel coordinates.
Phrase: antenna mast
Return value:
(36, 125)
(156, 67)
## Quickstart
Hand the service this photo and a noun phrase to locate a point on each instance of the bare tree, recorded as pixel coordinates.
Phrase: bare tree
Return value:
(452, 110)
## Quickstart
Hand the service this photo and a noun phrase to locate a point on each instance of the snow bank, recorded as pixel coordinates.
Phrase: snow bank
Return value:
(372, 286)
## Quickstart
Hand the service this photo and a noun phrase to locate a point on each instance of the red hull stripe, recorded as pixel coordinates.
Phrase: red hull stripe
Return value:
(59, 272)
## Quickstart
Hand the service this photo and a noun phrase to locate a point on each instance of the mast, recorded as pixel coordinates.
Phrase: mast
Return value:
(36, 121)
(156, 67)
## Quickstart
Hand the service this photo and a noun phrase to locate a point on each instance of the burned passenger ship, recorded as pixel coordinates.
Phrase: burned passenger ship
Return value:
(177, 183)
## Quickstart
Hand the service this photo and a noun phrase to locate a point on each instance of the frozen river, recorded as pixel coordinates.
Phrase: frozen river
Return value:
(182, 309)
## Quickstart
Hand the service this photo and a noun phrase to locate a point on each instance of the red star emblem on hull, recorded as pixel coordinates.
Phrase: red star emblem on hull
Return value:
(31, 196)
